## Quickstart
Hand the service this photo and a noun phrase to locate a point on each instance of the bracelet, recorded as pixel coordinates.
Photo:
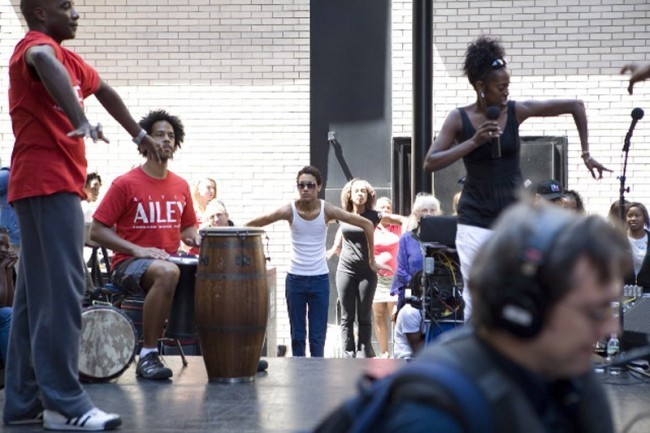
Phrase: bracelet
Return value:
(138, 138)
(585, 154)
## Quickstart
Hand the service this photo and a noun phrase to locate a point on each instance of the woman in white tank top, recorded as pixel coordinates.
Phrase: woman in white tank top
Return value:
(307, 280)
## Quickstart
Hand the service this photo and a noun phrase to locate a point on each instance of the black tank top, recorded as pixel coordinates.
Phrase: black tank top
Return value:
(490, 184)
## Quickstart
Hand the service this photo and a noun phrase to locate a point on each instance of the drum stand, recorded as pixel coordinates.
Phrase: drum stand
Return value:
(114, 295)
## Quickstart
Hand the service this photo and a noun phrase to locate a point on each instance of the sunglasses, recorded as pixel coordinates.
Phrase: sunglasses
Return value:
(495, 66)
(308, 185)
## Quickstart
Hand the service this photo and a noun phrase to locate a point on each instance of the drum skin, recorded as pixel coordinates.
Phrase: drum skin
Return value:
(108, 343)
(231, 302)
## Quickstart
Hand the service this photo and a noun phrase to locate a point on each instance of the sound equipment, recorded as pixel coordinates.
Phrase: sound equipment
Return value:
(439, 285)
(636, 317)
(232, 302)
(440, 230)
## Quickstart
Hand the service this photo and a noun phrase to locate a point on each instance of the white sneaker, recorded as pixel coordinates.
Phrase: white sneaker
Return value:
(93, 420)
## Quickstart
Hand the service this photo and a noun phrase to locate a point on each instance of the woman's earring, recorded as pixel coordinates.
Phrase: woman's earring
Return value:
(482, 95)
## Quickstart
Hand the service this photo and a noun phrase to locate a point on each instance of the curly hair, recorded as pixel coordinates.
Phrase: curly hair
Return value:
(92, 176)
(154, 116)
(346, 195)
(479, 57)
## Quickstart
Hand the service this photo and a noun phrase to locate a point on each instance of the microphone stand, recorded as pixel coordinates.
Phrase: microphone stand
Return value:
(621, 208)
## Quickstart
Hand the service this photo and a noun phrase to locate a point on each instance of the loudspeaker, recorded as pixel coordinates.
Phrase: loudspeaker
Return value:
(520, 305)
(635, 317)
(540, 158)
(636, 326)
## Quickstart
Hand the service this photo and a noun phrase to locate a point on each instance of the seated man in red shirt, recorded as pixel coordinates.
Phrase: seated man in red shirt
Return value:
(150, 209)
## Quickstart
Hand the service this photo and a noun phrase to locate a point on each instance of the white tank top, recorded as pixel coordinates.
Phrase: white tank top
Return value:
(308, 243)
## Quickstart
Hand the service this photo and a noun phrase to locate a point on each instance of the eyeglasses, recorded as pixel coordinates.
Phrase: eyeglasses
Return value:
(308, 185)
(495, 66)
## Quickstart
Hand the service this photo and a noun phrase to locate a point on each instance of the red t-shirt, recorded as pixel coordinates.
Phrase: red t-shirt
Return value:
(386, 246)
(44, 160)
(146, 211)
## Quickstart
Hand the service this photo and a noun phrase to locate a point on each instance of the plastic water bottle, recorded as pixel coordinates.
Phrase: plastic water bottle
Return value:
(613, 347)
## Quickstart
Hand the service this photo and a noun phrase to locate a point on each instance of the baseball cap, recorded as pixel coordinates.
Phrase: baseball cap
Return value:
(550, 189)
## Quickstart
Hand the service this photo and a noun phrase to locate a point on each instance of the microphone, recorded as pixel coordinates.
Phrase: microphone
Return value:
(492, 113)
(637, 114)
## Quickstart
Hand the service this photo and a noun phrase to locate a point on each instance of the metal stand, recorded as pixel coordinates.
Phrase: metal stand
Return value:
(621, 208)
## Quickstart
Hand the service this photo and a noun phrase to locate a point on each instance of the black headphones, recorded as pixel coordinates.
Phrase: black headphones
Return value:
(520, 305)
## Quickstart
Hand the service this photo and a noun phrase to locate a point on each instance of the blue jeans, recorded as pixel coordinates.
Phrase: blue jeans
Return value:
(307, 297)
(5, 323)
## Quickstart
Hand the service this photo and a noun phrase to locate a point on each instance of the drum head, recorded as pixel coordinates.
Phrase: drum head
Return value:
(231, 231)
(108, 343)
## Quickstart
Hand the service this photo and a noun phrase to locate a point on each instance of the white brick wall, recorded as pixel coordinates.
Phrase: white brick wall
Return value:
(555, 49)
(237, 73)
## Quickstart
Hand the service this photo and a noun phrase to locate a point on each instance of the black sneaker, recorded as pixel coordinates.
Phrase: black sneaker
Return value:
(151, 366)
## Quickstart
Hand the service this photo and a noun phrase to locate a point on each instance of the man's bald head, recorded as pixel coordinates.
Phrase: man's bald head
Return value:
(55, 18)
(27, 9)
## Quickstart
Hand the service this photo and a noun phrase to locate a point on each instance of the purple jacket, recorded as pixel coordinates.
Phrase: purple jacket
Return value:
(409, 261)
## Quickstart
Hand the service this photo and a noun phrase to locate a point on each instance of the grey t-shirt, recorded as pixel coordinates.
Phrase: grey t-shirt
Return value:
(354, 254)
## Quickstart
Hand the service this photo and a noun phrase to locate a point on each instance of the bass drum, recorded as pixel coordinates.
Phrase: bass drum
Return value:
(108, 343)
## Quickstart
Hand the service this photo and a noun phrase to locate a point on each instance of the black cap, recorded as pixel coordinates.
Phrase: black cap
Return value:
(550, 189)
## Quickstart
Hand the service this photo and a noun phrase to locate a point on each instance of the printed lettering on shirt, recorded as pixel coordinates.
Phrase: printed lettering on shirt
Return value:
(158, 213)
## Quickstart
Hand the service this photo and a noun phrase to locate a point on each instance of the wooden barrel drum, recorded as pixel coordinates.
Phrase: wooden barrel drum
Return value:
(231, 302)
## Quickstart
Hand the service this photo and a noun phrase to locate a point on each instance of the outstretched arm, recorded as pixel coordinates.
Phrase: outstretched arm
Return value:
(114, 104)
(444, 152)
(393, 218)
(638, 73)
(282, 213)
(333, 212)
(56, 81)
(336, 246)
(557, 107)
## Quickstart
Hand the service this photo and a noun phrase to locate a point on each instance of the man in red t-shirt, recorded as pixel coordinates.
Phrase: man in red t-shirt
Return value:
(47, 86)
(150, 209)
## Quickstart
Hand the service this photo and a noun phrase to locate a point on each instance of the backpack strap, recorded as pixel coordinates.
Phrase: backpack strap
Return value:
(472, 405)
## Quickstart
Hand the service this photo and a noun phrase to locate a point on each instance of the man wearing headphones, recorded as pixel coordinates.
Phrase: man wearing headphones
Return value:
(543, 288)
